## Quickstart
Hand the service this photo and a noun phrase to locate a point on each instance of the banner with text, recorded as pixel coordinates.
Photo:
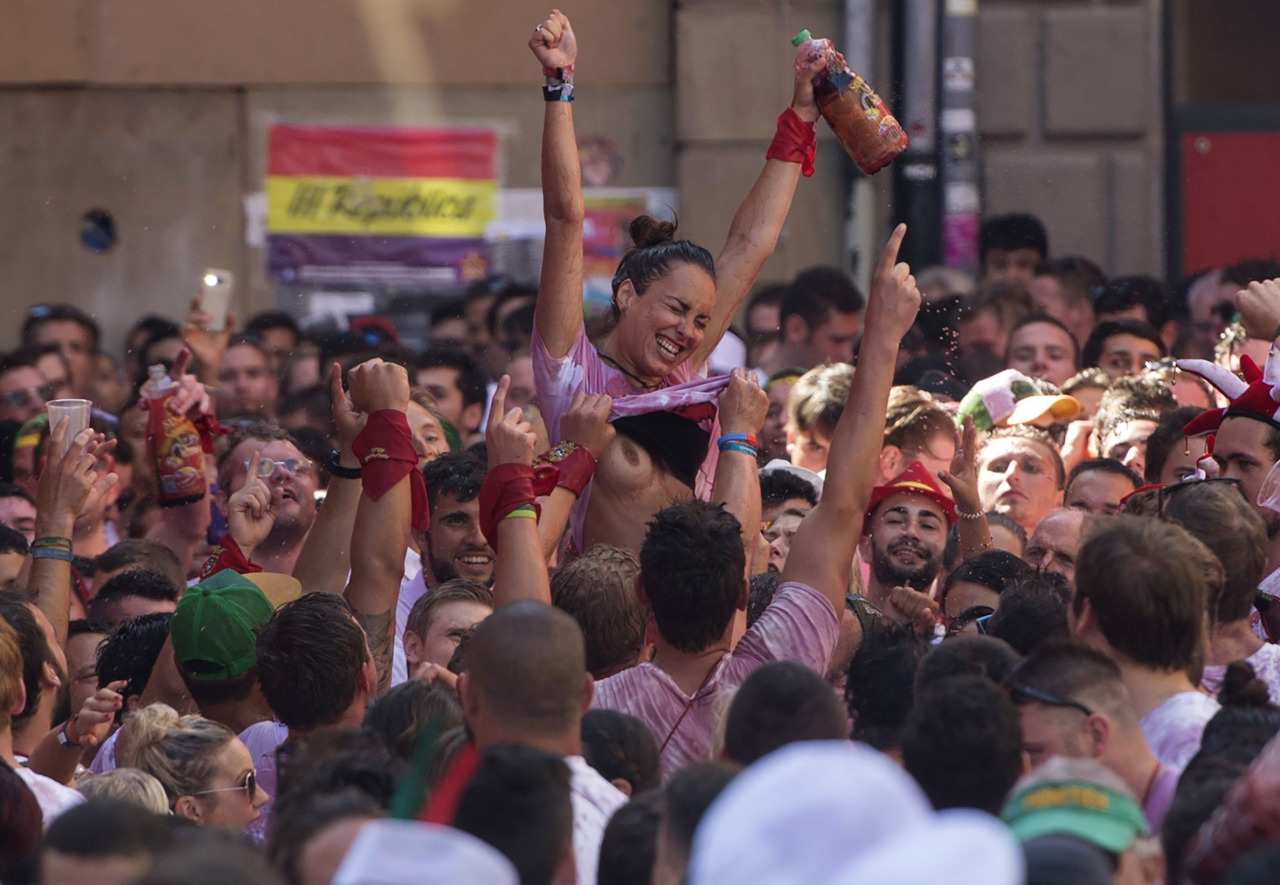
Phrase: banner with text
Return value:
(379, 206)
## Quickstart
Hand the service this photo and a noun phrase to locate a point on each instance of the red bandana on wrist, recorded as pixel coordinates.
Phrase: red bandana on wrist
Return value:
(228, 555)
(208, 428)
(509, 486)
(574, 464)
(794, 142)
(385, 450)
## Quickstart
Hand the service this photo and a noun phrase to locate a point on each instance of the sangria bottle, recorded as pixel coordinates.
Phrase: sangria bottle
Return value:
(173, 444)
(858, 117)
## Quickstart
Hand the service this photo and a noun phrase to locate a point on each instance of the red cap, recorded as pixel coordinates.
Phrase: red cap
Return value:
(914, 480)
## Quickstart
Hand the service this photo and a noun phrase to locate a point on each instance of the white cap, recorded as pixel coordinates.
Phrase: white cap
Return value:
(403, 852)
(804, 813)
(959, 847)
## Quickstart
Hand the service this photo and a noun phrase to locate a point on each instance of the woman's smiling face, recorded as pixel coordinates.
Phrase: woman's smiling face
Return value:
(659, 330)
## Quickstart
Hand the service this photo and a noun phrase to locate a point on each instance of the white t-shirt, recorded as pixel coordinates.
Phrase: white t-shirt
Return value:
(54, 798)
(594, 802)
(1173, 729)
(1266, 664)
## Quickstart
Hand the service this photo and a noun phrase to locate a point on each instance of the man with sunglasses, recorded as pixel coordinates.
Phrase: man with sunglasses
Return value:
(292, 481)
(24, 389)
(1072, 702)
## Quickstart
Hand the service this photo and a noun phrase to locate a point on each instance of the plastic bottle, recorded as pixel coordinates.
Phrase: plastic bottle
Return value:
(857, 116)
(173, 444)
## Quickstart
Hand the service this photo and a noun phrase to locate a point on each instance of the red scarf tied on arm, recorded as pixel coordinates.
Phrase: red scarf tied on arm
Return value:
(385, 450)
(509, 486)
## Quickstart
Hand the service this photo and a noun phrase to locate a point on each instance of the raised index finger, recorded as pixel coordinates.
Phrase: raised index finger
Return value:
(889, 257)
(498, 408)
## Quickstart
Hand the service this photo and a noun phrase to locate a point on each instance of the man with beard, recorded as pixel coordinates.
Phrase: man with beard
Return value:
(452, 548)
(292, 480)
(904, 535)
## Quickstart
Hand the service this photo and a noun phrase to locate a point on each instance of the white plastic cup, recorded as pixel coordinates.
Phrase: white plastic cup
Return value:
(76, 410)
(1269, 493)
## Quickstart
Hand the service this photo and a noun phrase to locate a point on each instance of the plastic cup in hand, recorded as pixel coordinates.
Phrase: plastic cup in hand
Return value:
(1269, 494)
(76, 410)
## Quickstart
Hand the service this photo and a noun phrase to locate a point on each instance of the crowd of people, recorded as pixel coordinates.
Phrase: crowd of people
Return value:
(950, 581)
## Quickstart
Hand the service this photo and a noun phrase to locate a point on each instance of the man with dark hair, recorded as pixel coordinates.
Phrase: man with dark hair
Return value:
(1072, 702)
(277, 330)
(781, 703)
(518, 801)
(24, 390)
(132, 594)
(247, 382)
(1098, 485)
(786, 497)
(1171, 454)
(685, 800)
(599, 590)
(215, 634)
(1010, 247)
(1063, 288)
(1140, 298)
(904, 534)
(881, 684)
(1032, 611)
(630, 842)
(440, 619)
(622, 749)
(129, 654)
(1128, 414)
(281, 465)
(447, 329)
(18, 510)
(103, 841)
(84, 638)
(818, 319)
(453, 548)
(139, 553)
(1122, 347)
(14, 556)
(692, 562)
(526, 683)
(962, 742)
(1140, 598)
(76, 335)
(459, 386)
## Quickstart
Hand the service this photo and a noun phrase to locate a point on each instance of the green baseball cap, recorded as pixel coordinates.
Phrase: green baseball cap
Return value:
(215, 627)
(1096, 814)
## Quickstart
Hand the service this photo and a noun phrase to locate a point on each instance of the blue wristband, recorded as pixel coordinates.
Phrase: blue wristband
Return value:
(52, 553)
(742, 448)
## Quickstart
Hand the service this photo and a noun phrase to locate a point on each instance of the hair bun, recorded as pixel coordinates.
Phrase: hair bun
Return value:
(647, 232)
(1242, 688)
(143, 729)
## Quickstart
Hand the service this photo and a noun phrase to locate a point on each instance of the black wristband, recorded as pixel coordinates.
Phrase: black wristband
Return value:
(336, 468)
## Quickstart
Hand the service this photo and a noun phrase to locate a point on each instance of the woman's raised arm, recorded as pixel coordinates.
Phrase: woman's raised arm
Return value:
(558, 313)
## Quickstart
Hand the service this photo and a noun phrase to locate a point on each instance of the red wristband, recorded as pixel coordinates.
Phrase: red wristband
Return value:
(794, 142)
(208, 428)
(575, 464)
(385, 451)
(228, 555)
(507, 487)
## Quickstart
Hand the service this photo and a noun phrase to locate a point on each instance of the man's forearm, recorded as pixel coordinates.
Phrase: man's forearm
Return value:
(325, 559)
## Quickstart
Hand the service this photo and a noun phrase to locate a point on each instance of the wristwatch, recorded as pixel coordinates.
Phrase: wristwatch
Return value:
(336, 468)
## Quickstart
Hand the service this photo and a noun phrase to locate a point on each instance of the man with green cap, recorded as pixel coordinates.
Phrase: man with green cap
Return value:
(215, 633)
(1085, 800)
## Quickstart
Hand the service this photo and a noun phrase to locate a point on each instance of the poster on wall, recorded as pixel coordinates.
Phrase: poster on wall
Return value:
(381, 207)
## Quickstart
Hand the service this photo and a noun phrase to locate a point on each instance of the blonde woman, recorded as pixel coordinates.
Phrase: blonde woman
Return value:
(206, 771)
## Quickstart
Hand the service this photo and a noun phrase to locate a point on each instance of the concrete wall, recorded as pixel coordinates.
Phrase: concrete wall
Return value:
(1069, 104)
(156, 111)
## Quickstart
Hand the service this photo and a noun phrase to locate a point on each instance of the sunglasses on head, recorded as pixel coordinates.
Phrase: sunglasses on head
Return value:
(1025, 694)
(249, 787)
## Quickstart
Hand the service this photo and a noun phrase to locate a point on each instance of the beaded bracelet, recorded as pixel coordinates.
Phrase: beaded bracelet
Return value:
(979, 515)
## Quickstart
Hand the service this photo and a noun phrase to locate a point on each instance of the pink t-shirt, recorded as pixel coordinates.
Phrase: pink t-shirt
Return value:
(798, 625)
(1158, 799)
(581, 369)
(1266, 664)
(1173, 729)
(594, 802)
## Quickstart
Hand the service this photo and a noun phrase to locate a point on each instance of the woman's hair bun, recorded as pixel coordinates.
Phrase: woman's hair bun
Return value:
(647, 232)
(1242, 688)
